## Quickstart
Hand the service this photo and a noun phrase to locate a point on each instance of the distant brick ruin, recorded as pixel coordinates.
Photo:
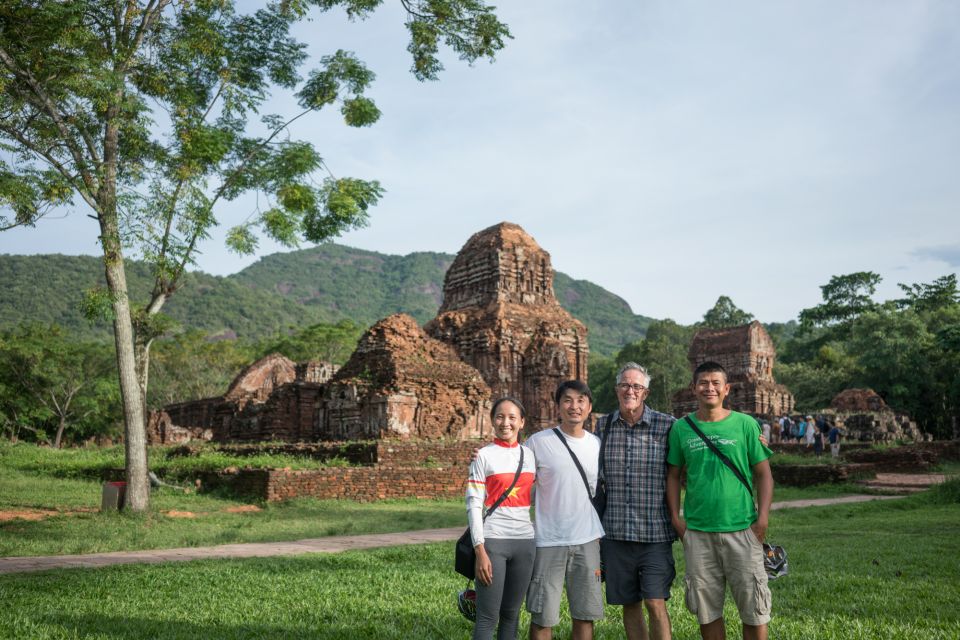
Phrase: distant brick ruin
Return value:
(748, 354)
(272, 399)
(863, 416)
(499, 331)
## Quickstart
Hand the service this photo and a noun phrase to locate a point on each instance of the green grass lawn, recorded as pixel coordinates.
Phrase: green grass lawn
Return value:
(881, 570)
(75, 531)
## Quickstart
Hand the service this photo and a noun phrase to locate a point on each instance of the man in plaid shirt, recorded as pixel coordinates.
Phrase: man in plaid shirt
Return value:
(637, 550)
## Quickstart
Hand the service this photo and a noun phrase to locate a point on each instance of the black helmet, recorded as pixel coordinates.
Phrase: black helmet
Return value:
(467, 604)
(775, 561)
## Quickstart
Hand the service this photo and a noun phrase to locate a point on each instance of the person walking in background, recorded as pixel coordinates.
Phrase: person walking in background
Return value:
(818, 437)
(568, 530)
(722, 531)
(833, 437)
(504, 542)
(788, 427)
(637, 549)
(765, 428)
(810, 435)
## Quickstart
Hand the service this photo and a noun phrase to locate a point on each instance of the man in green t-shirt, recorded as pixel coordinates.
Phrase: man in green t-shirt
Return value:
(723, 532)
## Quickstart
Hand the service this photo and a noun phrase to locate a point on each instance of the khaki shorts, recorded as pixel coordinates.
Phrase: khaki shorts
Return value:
(717, 559)
(577, 566)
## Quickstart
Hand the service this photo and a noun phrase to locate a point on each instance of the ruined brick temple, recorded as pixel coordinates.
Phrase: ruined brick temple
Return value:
(500, 314)
(863, 416)
(748, 354)
(500, 330)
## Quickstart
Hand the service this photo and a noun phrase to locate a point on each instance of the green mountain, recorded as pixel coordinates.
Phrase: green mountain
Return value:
(326, 283)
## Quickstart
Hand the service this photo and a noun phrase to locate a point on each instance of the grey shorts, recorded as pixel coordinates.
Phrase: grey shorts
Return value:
(637, 570)
(715, 560)
(577, 566)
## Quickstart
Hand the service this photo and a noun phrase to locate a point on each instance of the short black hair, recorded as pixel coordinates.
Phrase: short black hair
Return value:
(511, 399)
(579, 386)
(710, 367)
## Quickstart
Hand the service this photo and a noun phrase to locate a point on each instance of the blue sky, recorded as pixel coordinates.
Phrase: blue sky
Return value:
(669, 151)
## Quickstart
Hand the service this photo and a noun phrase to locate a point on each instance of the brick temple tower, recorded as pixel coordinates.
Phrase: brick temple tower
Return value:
(748, 354)
(500, 313)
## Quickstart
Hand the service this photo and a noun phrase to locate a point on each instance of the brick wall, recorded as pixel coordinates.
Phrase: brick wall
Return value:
(363, 484)
(438, 469)
(413, 469)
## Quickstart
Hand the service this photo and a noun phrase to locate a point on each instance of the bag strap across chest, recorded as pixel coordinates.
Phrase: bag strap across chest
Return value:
(503, 496)
(576, 461)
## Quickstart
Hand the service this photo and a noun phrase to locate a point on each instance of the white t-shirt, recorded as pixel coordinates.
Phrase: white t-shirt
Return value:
(563, 512)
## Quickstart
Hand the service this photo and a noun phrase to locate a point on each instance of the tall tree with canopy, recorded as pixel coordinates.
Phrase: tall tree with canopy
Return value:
(725, 313)
(142, 109)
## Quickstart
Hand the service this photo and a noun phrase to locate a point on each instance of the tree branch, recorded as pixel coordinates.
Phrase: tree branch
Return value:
(56, 164)
(50, 109)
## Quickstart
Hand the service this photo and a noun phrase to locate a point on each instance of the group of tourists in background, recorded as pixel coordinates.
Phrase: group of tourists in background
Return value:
(635, 458)
(806, 430)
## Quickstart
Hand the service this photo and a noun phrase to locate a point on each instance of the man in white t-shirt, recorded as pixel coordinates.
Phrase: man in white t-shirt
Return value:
(567, 528)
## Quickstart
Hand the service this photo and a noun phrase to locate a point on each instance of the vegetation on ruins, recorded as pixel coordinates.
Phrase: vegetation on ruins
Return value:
(872, 573)
(143, 110)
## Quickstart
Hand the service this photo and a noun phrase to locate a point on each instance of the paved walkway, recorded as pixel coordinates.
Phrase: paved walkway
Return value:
(332, 544)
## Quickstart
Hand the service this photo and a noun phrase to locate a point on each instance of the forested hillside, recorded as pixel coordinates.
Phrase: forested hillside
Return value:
(327, 283)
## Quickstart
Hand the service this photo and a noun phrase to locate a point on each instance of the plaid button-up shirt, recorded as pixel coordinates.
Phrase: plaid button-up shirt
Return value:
(635, 472)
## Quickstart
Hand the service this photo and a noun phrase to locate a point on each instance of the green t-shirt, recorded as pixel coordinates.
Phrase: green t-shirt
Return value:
(716, 499)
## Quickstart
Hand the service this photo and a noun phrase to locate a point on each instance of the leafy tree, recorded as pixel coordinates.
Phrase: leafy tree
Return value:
(941, 293)
(725, 314)
(49, 380)
(813, 386)
(906, 350)
(191, 366)
(602, 372)
(142, 110)
(330, 342)
(663, 352)
(844, 298)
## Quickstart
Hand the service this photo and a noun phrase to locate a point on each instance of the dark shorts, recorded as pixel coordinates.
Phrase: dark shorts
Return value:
(637, 570)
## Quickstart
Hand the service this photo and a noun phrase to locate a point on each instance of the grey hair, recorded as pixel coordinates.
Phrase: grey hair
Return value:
(636, 367)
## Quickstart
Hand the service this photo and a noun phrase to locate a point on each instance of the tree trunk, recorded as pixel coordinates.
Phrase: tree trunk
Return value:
(135, 432)
(142, 354)
(61, 425)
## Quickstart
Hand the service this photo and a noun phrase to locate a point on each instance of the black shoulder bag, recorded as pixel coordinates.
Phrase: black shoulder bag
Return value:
(600, 495)
(583, 474)
(465, 560)
(774, 557)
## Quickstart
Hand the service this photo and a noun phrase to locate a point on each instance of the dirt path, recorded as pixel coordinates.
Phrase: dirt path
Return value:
(332, 544)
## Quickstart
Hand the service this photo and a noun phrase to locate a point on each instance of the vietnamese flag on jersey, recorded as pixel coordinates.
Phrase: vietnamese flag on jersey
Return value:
(519, 496)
